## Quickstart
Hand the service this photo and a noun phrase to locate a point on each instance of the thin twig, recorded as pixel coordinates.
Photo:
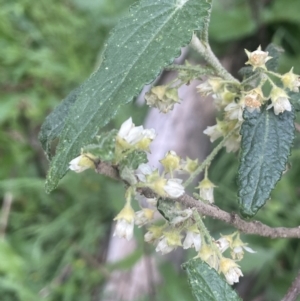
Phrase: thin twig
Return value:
(5, 210)
(294, 290)
(252, 227)
(208, 160)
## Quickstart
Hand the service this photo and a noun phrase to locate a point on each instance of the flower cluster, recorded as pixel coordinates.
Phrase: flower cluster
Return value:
(169, 236)
(232, 98)
(180, 228)
(213, 255)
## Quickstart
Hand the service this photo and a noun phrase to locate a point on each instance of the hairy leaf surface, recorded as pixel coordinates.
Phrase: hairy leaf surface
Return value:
(207, 284)
(266, 142)
(55, 122)
(295, 100)
(140, 46)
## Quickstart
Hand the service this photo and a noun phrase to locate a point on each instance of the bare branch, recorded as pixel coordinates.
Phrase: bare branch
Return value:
(252, 227)
(294, 290)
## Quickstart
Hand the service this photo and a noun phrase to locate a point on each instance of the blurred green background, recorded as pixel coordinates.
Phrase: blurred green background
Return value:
(53, 247)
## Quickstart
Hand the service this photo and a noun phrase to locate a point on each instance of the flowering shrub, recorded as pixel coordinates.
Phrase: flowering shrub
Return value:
(256, 119)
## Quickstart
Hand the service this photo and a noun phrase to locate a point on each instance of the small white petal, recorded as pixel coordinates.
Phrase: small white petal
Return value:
(248, 249)
(173, 188)
(233, 275)
(192, 239)
(125, 128)
(124, 229)
(163, 246)
(223, 244)
(134, 135)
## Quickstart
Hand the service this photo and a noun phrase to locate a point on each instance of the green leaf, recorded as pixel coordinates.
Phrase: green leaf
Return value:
(103, 146)
(207, 284)
(274, 52)
(130, 163)
(140, 46)
(134, 159)
(166, 208)
(295, 100)
(55, 122)
(265, 147)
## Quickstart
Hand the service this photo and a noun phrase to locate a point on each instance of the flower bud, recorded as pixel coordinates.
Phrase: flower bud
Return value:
(162, 97)
(190, 165)
(82, 162)
(170, 162)
(291, 81)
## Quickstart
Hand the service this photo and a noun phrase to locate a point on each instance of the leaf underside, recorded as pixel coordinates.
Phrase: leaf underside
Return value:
(207, 284)
(265, 147)
(139, 47)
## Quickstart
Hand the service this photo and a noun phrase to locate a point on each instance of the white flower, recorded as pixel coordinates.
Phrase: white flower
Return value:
(238, 252)
(231, 270)
(206, 190)
(212, 85)
(126, 127)
(154, 232)
(143, 171)
(143, 216)
(223, 244)
(174, 188)
(257, 58)
(192, 239)
(233, 143)
(163, 246)
(82, 162)
(280, 101)
(209, 255)
(238, 247)
(134, 134)
(235, 111)
(216, 131)
(125, 223)
(253, 99)
(124, 229)
(168, 242)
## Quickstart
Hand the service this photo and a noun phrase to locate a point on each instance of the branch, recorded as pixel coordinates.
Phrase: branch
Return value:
(253, 227)
(294, 290)
(205, 51)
